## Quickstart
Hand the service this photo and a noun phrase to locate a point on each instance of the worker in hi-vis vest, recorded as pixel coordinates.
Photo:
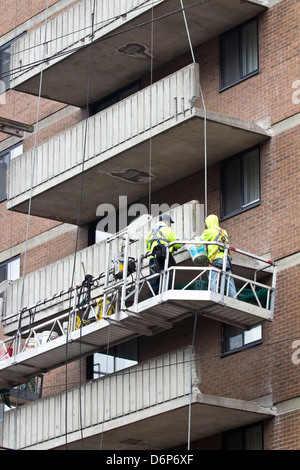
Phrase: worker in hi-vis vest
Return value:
(157, 239)
(215, 253)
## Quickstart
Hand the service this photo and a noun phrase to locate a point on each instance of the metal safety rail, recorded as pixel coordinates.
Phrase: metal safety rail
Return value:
(125, 309)
(214, 304)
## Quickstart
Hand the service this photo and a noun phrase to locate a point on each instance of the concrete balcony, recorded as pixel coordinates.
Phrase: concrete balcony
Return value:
(50, 281)
(144, 407)
(118, 308)
(118, 153)
(121, 43)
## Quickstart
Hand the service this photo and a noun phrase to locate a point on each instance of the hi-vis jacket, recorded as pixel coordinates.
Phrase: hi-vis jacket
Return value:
(161, 234)
(214, 233)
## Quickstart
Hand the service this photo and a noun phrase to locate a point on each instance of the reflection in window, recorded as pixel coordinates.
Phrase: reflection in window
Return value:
(247, 438)
(5, 158)
(235, 338)
(240, 182)
(239, 54)
(116, 358)
(5, 67)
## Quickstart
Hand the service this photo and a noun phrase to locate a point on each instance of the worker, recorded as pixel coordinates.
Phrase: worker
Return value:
(157, 239)
(215, 253)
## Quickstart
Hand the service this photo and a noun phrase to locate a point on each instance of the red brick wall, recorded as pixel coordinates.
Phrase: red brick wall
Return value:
(271, 227)
(282, 433)
(15, 12)
(269, 93)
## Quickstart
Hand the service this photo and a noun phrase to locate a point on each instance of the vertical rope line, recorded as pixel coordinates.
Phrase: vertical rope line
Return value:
(150, 98)
(204, 111)
(205, 210)
(77, 236)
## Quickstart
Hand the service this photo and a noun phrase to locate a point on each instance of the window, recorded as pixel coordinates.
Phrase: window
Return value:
(247, 438)
(239, 54)
(10, 269)
(4, 67)
(5, 64)
(5, 157)
(115, 97)
(117, 358)
(240, 182)
(236, 339)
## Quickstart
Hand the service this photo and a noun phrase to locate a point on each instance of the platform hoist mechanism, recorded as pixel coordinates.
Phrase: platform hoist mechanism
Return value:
(118, 263)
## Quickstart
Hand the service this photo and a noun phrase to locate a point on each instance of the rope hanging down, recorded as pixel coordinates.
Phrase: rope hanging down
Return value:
(204, 110)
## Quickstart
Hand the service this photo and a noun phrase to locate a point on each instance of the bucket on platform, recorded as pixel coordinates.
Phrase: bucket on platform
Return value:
(198, 252)
(31, 343)
(48, 336)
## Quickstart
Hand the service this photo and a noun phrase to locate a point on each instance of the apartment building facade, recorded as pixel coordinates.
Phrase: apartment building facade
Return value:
(138, 107)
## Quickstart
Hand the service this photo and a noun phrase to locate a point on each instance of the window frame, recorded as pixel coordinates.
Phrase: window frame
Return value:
(115, 97)
(112, 355)
(242, 207)
(226, 334)
(243, 430)
(239, 29)
(4, 46)
(9, 153)
(5, 80)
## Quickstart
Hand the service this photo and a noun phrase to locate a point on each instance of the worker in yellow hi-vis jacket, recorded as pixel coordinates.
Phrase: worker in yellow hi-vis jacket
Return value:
(157, 239)
(215, 253)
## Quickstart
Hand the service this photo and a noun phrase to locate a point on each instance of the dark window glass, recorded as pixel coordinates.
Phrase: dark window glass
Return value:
(4, 68)
(115, 97)
(4, 166)
(5, 158)
(239, 54)
(116, 358)
(235, 339)
(240, 182)
(247, 438)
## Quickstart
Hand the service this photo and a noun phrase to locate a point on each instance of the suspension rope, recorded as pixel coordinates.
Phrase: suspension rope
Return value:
(77, 232)
(205, 212)
(204, 110)
(151, 82)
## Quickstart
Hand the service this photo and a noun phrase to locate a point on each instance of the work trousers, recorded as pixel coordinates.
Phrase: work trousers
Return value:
(156, 266)
(218, 263)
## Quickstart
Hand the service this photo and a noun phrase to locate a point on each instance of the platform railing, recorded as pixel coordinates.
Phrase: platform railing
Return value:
(223, 276)
(125, 294)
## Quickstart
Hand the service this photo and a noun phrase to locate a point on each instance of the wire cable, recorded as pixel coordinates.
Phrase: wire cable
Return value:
(27, 67)
(78, 222)
(204, 110)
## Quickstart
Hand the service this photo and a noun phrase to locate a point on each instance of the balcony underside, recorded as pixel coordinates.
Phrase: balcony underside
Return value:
(166, 425)
(177, 151)
(65, 79)
(150, 317)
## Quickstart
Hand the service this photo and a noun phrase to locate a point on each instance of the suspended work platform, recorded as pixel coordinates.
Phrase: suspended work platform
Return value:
(127, 308)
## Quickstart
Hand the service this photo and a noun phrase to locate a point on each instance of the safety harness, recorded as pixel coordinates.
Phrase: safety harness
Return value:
(159, 250)
(222, 238)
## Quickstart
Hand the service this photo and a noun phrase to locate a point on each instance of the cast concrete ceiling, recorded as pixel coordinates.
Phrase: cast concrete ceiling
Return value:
(175, 154)
(166, 426)
(123, 55)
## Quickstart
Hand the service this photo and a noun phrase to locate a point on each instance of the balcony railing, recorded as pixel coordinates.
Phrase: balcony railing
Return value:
(121, 36)
(121, 411)
(118, 144)
(119, 301)
(114, 132)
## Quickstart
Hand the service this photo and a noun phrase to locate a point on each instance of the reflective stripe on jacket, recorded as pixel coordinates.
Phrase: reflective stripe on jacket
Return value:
(161, 234)
(214, 233)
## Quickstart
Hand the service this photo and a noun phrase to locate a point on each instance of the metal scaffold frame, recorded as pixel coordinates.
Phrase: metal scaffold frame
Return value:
(124, 309)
